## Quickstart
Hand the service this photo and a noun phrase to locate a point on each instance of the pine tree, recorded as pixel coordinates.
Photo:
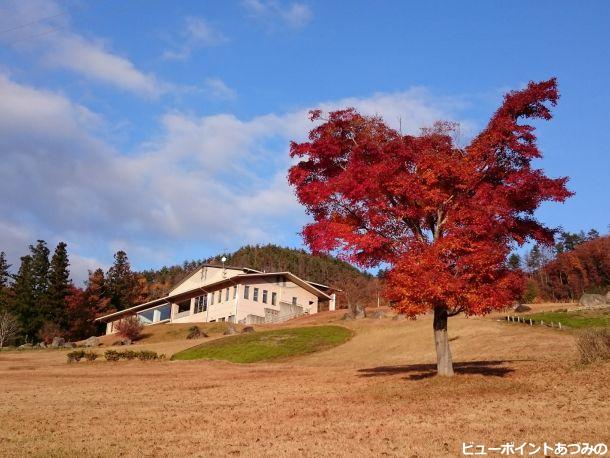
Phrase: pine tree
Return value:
(122, 283)
(24, 304)
(59, 286)
(5, 279)
(514, 261)
(40, 274)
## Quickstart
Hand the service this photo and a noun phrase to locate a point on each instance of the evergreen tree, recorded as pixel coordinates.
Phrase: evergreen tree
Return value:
(59, 286)
(24, 303)
(39, 254)
(122, 283)
(5, 278)
(514, 261)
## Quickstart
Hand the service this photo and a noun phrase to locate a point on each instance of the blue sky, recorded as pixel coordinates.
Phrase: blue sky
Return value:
(162, 128)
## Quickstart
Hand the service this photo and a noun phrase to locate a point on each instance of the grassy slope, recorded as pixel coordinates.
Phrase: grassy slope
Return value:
(269, 345)
(577, 319)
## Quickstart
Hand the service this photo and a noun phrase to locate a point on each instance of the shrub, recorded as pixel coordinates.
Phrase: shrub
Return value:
(130, 327)
(112, 355)
(147, 355)
(594, 345)
(129, 354)
(195, 333)
(90, 355)
(75, 356)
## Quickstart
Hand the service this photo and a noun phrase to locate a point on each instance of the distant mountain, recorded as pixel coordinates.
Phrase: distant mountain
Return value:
(356, 285)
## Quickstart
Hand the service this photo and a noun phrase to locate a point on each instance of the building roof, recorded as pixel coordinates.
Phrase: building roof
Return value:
(215, 286)
(201, 266)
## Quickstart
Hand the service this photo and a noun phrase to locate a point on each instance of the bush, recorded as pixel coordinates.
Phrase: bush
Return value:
(75, 356)
(130, 327)
(112, 355)
(90, 355)
(594, 345)
(195, 333)
(143, 355)
(147, 355)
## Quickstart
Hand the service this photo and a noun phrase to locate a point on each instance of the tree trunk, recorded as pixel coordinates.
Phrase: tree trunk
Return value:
(444, 362)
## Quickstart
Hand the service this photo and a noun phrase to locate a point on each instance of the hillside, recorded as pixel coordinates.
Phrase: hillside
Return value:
(356, 286)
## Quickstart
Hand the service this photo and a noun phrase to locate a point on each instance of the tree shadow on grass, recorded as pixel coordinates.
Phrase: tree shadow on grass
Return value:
(422, 371)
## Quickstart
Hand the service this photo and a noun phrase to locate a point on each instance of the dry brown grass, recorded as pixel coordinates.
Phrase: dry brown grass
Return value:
(374, 395)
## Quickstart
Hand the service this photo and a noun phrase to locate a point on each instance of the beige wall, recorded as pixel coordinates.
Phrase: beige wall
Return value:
(224, 308)
(204, 276)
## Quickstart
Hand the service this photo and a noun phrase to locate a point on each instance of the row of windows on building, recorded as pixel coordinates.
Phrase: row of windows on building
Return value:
(201, 302)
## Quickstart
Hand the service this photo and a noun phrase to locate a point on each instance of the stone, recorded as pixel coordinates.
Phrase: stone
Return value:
(347, 317)
(25, 346)
(377, 314)
(69, 345)
(248, 329)
(42, 345)
(122, 341)
(58, 342)
(359, 311)
(230, 331)
(399, 317)
(92, 341)
(592, 300)
(522, 308)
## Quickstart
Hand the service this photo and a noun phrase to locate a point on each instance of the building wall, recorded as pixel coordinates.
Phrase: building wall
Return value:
(285, 292)
(204, 276)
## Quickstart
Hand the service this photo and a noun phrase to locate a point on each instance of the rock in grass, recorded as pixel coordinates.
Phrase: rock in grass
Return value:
(58, 342)
(522, 308)
(399, 317)
(347, 317)
(377, 314)
(592, 300)
(230, 331)
(92, 341)
(25, 346)
(247, 329)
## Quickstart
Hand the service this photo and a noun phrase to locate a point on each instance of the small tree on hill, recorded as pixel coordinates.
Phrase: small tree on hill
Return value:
(130, 327)
(443, 217)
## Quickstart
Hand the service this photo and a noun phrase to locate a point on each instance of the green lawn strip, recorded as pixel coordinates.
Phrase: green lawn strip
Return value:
(268, 345)
(576, 320)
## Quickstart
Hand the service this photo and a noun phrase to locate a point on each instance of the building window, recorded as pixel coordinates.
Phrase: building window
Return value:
(246, 291)
(294, 300)
(201, 304)
(235, 292)
(273, 298)
(264, 296)
(220, 296)
(278, 279)
(221, 319)
(255, 295)
(227, 295)
(211, 298)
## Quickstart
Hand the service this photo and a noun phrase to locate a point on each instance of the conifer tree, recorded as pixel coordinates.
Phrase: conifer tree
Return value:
(5, 279)
(59, 286)
(24, 304)
(122, 283)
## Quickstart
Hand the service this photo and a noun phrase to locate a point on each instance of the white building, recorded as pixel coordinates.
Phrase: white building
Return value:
(234, 294)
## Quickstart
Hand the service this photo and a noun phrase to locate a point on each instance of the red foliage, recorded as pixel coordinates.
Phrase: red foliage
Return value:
(129, 327)
(584, 269)
(443, 217)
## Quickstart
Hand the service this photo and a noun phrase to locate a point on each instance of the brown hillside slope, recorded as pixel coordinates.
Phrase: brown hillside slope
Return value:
(373, 395)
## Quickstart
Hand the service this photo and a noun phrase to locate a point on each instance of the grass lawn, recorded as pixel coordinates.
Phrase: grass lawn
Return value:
(269, 345)
(577, 320)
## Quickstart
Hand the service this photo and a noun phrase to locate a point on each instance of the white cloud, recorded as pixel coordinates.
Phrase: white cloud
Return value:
(217, 89)
(197, 33)
(295, 15)
(215, 179)
(62, 48)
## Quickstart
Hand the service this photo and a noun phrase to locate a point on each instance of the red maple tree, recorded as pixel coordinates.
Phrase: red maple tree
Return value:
(443, 217)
